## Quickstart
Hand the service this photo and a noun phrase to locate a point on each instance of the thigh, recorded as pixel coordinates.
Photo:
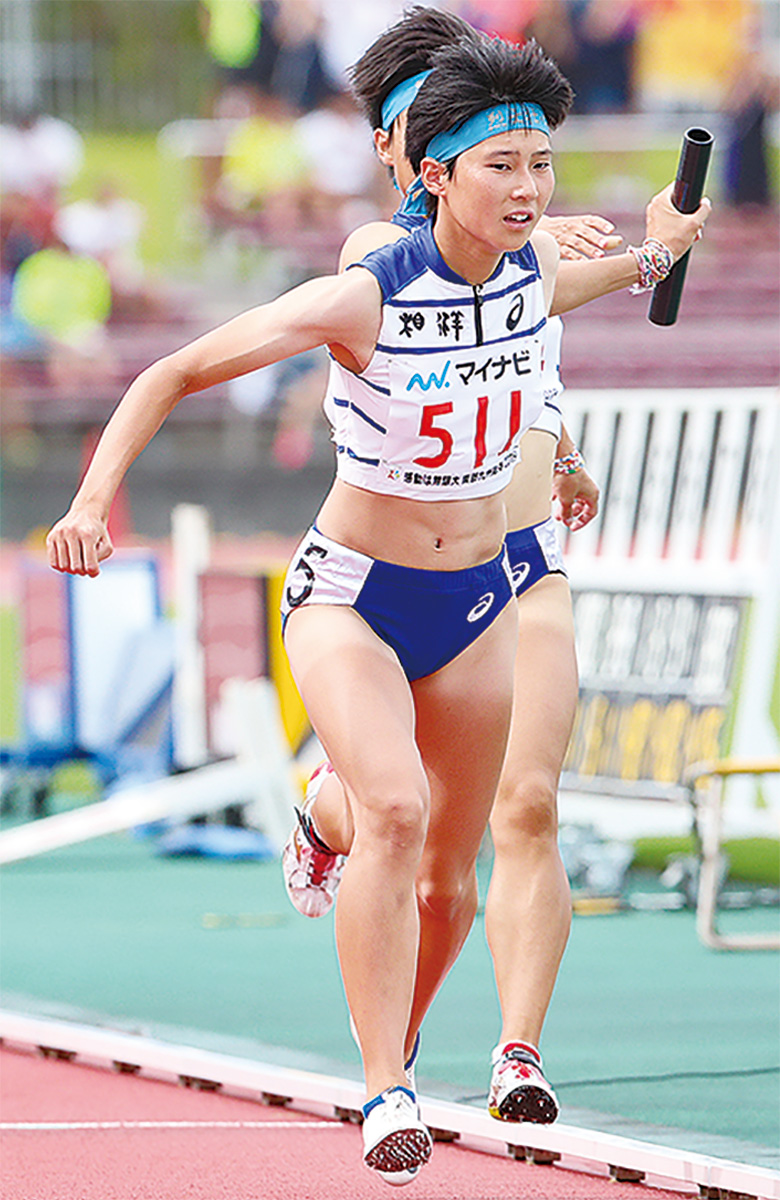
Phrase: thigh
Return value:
(358, 701)
(545, 685)
(463, 715)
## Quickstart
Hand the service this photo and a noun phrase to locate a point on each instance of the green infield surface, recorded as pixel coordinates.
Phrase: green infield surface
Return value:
(648, 1032)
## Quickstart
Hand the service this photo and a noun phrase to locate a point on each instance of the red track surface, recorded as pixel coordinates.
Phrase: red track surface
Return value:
(265, 1153)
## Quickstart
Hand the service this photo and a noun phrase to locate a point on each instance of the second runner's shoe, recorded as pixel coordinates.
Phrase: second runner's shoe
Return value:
(312, 871)
(518, 1088)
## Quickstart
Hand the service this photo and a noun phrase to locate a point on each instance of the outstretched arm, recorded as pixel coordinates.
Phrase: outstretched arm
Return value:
(579, 282)
(341, 310)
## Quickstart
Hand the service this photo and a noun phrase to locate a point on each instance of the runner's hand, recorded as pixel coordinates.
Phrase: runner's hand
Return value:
(583, 236)
(676, 230)
(575, 499)
(78, 543)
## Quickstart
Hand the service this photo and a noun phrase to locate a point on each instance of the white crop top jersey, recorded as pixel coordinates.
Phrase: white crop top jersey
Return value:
(454, 382)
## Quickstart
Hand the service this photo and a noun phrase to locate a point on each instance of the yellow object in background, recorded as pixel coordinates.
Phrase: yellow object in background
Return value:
(686, 49)
(233, 31)
(294, 718)
(66, 296)
(263, 157)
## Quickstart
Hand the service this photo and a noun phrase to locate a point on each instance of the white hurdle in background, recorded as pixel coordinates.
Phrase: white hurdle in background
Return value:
(260, 776)
(257, 772)
(688, 480)
(625, 1159)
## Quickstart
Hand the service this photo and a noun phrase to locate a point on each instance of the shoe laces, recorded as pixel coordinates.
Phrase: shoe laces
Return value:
(397, 1100)
(317, 869)
(316, 861)
(393, 1100)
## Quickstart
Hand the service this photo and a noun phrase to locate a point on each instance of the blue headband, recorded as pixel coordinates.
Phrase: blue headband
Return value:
(400, 98)
(501, 118)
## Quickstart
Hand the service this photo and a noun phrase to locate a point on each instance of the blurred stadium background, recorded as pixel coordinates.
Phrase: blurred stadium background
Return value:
(165, 165)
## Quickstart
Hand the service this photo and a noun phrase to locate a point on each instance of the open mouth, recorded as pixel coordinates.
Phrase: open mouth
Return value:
(518, 220)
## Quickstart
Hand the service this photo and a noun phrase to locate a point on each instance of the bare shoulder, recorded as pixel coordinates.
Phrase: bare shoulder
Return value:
(328, 295)
(547, 250)
(352, 310)
(367, 238)
(549, 254)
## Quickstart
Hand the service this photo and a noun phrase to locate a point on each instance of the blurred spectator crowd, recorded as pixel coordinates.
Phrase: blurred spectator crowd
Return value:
(65, 265)
(289, 161)
(300, 155)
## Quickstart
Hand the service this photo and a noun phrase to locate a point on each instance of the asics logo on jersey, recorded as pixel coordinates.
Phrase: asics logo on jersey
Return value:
(520, 573)
(515, 313)
(482, 606)
(434, 380)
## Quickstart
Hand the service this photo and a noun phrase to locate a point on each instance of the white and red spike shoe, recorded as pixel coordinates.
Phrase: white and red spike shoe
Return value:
(312, 871)
(518, 1088)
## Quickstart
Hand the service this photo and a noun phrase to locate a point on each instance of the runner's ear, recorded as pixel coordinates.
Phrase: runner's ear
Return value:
(434, 176)
(382, 147)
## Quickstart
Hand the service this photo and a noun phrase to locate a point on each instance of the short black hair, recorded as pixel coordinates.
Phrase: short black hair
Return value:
(402, 51)
(475, 74)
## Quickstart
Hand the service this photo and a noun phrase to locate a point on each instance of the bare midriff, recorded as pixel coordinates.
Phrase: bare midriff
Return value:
(431, 535)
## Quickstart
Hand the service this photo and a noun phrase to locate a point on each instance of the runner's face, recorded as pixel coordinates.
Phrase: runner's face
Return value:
(499, 189)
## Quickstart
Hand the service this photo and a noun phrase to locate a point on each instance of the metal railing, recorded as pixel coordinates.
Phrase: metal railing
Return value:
(124, 65)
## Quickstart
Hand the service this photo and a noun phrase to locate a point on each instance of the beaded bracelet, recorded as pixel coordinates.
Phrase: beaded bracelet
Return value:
(569, 464)
(654, 261)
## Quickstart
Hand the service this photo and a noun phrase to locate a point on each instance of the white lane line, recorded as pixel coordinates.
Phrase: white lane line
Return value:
(57, 1126)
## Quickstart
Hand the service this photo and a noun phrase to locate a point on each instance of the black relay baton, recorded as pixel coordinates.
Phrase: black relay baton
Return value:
(686, 198)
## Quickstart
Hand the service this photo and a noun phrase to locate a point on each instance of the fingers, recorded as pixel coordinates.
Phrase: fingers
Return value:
(583, 236)
(53, 553)
(575, 248)
(676, 230)
(583, 512)
(78, 549)
(65, 552)
(585, 244)
(89, 558)
(600, 223)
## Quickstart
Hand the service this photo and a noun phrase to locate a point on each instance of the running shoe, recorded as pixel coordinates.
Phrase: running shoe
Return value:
(312, 871)
(396, 1144)
(518, 1089)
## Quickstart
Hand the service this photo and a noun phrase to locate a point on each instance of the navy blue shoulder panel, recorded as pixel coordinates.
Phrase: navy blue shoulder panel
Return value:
(396, 264)
(406, 220)
(526, 258)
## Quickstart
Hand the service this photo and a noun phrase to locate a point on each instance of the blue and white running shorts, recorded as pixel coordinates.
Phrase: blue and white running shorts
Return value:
(427, 617)
(533, 553)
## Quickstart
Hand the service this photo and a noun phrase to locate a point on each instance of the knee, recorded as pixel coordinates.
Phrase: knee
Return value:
(395, 822)
(449, 899)
(525, 809)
